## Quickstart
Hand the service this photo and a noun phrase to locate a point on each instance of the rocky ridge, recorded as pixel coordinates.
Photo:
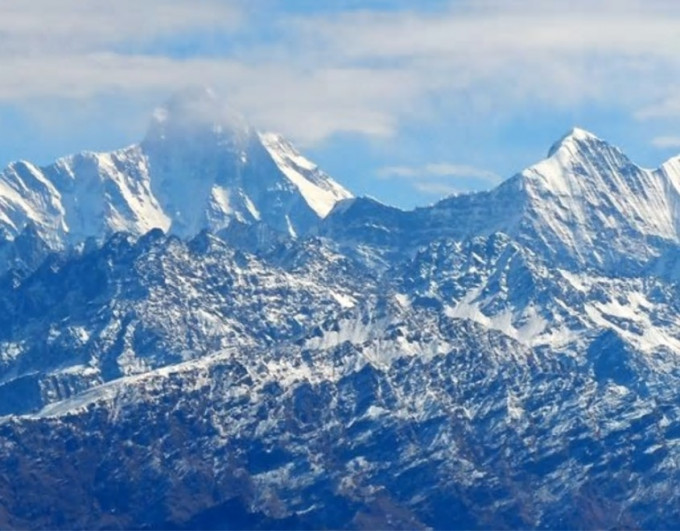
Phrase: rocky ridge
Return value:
(500, 359)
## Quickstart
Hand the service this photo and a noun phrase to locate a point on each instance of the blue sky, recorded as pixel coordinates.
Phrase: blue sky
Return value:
(404, 101)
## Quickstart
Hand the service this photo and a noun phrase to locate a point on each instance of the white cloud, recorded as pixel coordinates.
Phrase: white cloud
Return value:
(55, 26)
(478, 29)
(442, 178)
(665, 142)
(364, 71)
(666, 108)
(438, 189)
(442, 170)
(517, 50)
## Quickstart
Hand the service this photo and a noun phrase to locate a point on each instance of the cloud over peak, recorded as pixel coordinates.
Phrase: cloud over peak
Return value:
(318, 71)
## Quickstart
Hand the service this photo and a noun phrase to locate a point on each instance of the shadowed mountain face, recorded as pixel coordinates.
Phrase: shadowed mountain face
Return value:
(585, 206)
(284, 356)
(201, 166)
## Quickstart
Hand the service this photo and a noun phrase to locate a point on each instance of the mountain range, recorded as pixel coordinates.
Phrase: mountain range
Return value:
(205, 330)
(200, 166)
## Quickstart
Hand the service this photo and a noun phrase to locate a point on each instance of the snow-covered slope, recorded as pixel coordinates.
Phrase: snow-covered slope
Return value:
(585, 205)
(319, 190)
(199, 167)
(590, 202)
(501, 359)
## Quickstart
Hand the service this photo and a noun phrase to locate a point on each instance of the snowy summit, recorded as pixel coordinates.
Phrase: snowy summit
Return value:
(200, 166)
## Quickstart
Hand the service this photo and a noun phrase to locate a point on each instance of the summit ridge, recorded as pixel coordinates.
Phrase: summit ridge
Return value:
(205, 330)
(200, 166)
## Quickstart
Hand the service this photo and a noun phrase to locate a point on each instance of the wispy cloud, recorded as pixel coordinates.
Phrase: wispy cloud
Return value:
(668, 107)
(438, 189)
(443, 170)
(364, 70)
(665, 142)
(441, 177)
(55, 27)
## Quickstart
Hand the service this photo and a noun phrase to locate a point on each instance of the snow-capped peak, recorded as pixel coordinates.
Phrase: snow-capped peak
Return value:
(578, 155)
(201, 166)
(585, 205)
(575, 140)
(590, 201)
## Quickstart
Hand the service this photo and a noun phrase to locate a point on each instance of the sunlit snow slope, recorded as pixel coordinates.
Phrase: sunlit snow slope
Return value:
(504, 359)
(199, 167)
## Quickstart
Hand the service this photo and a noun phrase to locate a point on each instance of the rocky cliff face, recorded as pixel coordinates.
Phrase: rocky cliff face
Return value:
(502, 359)
(201, 166)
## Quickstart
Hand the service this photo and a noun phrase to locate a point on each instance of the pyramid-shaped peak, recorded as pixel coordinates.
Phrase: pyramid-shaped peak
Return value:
(575, 137)
(196, 111)
(576, 133)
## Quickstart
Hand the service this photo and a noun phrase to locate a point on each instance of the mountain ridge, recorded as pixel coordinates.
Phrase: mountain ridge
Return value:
(584, 197)
(245, 175)
(509, 358)
(199, 166)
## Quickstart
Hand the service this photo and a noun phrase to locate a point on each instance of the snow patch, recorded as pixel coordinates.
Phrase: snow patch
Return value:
(318, 189)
